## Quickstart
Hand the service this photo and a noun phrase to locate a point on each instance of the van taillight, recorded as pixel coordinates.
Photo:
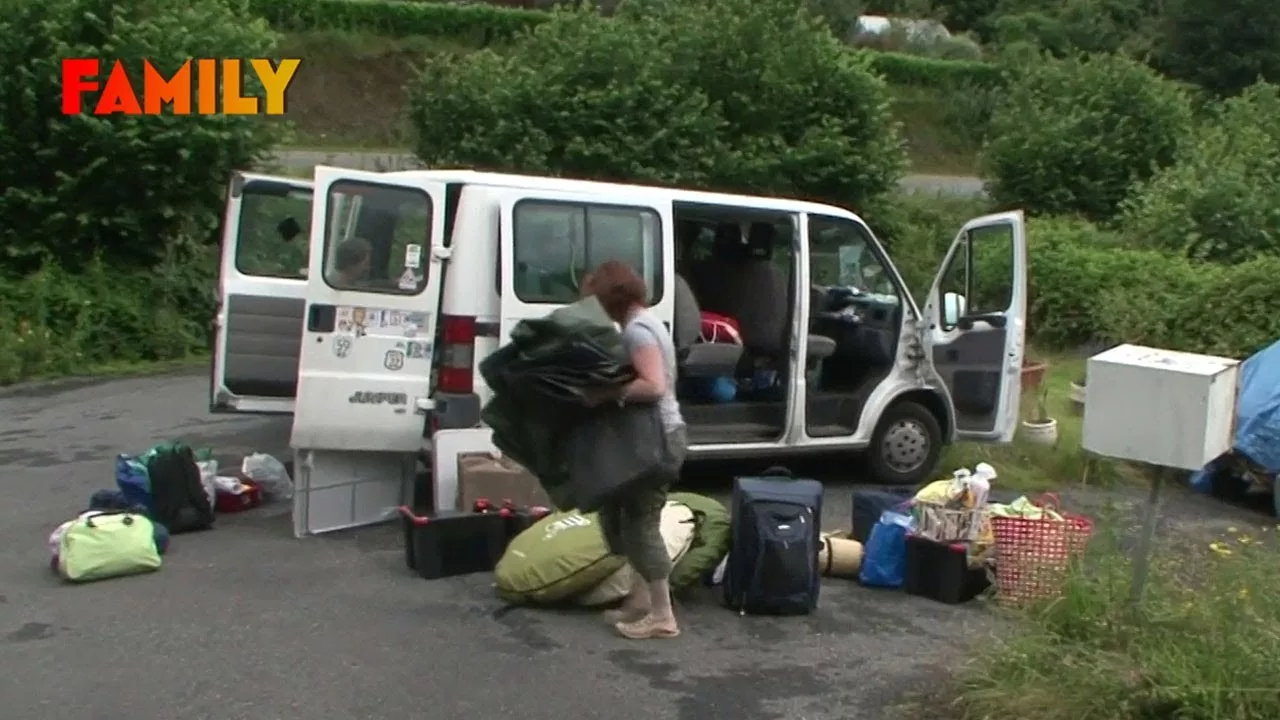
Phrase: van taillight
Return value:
(457, 354)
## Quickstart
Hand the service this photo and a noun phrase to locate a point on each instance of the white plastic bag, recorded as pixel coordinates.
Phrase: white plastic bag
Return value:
(269, 474)
(208, 473)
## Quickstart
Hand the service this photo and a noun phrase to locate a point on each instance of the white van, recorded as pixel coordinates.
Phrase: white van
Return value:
(379, 361)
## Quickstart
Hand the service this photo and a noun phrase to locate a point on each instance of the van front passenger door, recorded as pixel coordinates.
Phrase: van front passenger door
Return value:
(975, 321)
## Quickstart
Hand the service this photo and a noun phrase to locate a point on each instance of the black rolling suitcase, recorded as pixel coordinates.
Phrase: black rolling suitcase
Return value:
(773, 558)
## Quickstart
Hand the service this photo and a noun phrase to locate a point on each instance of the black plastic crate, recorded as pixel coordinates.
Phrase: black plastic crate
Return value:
(452, 543)
(941, 572)
(515, 519)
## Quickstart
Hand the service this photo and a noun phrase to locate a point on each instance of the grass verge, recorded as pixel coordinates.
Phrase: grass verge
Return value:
(349, 95)
(1204, 644)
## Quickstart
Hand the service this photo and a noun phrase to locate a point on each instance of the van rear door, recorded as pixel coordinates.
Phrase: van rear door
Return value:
(262, 283)
(975, 324)
(372, 307)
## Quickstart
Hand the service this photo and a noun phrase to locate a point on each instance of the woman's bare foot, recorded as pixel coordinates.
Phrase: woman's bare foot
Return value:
(649, 627)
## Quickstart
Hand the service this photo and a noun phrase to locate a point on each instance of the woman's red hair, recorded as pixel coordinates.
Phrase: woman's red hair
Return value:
(617, 287)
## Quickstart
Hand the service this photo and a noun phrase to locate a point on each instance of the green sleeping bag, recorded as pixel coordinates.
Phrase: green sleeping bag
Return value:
(560, 556)
(710, 540)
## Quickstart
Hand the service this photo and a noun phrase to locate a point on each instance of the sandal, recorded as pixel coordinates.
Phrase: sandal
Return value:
(625, 615)
(646, 628)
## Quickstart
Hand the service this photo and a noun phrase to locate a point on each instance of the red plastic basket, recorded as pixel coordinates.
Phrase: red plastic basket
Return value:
(1033, 556)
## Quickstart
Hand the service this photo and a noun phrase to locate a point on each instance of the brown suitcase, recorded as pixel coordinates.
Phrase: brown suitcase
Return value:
(498, 479)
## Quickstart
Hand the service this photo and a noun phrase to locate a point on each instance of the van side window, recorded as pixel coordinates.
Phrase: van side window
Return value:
(556, 244)
(377, 238)
(274, 235)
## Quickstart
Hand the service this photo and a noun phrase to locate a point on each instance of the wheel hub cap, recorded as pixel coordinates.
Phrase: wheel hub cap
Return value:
(905, 446)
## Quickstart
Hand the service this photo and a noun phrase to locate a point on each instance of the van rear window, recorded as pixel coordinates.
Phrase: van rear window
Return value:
(557, 243)
(376, 238)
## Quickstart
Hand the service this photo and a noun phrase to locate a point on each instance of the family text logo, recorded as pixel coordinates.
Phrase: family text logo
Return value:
(193, 89)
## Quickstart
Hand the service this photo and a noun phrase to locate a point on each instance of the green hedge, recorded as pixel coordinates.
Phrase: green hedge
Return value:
(902, 69)
(483, 24)
(1086, 285)
(486, 24)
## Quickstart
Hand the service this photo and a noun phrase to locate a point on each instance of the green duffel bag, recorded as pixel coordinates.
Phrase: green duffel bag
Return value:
(562, 555)
(678, 528)
(97, 546)
(710, 540)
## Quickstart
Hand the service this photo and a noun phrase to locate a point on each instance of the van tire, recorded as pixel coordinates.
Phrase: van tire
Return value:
(906, 445)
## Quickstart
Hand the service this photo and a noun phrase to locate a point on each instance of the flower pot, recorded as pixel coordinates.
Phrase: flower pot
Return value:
(1041, 432)
(1032, 374)
(1077, 396)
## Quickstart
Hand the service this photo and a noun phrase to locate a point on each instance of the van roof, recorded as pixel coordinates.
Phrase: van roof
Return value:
(537, 182)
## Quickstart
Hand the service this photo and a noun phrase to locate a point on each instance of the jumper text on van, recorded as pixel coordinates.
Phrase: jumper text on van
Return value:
(192, 89)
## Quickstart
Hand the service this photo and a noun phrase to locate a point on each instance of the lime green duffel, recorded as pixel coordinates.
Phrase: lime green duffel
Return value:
(562, 555)
(710, 540)
(679, 526)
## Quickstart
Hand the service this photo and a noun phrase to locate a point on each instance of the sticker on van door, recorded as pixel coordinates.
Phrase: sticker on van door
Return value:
(341, 346)
(393, 360)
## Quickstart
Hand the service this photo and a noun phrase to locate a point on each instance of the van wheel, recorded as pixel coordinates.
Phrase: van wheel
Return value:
(906, 445)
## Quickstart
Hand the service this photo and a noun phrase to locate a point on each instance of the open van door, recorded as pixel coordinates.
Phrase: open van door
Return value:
(368, 335)
(262, 282)
(975, 322)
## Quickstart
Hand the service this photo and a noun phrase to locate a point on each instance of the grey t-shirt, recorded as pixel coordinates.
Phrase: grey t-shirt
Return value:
(646, 329)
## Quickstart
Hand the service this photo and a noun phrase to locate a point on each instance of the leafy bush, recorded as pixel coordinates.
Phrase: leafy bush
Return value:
(482, 24)
(57, 323)
(76, 186)
(1222, 45)
(1221, 200)
(917, 231)
(659, 93)
(1087, 286)
(1199, 307)
(1072, 136)
(1076, 26)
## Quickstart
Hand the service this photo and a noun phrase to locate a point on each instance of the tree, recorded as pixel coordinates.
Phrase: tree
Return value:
(1221, 200)
(1071, 136)
(1222, 45)
(745, 95)
(76, 186)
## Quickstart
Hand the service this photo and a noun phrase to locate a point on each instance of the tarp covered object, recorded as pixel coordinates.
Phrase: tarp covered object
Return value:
(1257, 416)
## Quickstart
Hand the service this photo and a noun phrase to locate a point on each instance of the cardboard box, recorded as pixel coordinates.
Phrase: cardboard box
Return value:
(497, 478)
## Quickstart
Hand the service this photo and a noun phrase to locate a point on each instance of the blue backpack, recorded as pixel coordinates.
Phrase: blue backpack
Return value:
(773, 557)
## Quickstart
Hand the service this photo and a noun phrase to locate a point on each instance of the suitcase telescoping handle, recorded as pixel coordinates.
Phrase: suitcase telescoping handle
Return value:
(777, 471)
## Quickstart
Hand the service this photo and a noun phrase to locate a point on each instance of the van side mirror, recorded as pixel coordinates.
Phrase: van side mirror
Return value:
(953, 308)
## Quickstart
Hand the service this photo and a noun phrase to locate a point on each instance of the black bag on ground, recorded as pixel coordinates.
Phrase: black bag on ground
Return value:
(178, 499)
(773, 558)
(869, 505)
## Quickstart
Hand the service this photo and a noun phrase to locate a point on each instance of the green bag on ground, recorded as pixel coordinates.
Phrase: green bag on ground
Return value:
(104, 545)
(679, 527)
(710, 541)
(560, 556)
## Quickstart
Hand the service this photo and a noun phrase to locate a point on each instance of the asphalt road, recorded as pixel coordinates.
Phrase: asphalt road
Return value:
(303, 160)
(245, 621)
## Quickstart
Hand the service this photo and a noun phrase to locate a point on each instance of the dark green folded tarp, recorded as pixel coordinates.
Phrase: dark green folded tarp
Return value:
(539, 380)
